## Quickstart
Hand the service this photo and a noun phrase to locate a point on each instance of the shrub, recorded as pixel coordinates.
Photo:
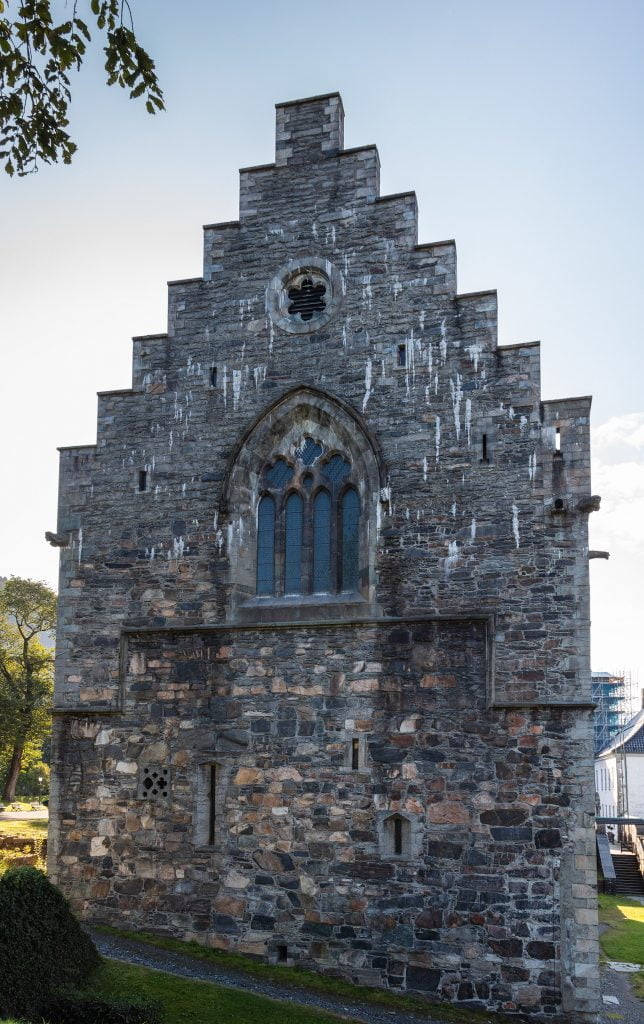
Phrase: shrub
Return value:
(42, 946)
(73, 1007)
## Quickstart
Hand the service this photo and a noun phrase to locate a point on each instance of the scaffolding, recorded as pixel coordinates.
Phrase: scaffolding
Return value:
(612, 697)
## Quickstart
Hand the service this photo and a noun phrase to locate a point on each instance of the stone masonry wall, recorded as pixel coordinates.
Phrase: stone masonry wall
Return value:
(461, 666)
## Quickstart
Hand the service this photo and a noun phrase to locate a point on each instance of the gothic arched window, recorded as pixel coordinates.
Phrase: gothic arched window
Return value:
(308, 525)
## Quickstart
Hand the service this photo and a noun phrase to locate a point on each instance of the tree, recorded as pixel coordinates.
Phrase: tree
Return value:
(27, 610)
(36, 55)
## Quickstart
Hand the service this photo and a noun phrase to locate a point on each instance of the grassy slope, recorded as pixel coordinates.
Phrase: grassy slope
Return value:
(198, 1002)
(297, 978)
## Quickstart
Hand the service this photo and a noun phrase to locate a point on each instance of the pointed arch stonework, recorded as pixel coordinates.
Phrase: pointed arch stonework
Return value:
(307, 430)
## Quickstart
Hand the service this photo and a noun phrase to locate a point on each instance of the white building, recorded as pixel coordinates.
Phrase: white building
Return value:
(619, 772)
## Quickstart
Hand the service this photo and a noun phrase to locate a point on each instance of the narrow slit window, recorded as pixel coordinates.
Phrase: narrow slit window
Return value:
(558, 439)
(349, 540)
(355, 753)
(213, 376)
(212, 797)
(266, 547)
(402, 355)
(143, 480)
(484, 455)
(398, 835)
(293, 545)
(322, 543)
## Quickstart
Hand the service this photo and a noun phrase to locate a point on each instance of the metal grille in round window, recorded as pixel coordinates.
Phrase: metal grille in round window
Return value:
(303, 296)
(307, 299)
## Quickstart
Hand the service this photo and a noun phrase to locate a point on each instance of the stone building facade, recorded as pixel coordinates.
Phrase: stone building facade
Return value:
(323, 686)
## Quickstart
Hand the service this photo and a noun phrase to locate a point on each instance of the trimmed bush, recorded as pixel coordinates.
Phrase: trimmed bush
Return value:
(73, 1007)
(42, 946)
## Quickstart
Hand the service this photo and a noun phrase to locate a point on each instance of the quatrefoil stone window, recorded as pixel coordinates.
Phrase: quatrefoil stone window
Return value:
(304, 295)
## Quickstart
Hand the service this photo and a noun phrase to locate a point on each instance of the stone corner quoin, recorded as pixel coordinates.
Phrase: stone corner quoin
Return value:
(322, 683)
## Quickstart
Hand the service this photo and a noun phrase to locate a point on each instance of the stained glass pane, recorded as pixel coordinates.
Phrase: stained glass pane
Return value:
(336, 468)
(322, 543)
(309, 451)
(266, 546)
(279, 474)
(350, 541)
(293, 546)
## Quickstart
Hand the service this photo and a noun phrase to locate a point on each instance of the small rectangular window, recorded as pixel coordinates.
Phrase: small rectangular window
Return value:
(402, 355)
(143, 480)
(212, 811)
(484, 454)
(558, 439)
(355, 753)
(213, 376)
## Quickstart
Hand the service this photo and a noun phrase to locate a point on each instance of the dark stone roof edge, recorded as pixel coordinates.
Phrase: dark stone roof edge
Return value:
(311, 99)
(476, 295)
(519, 344)
(434, 245)
(222, 224)
(396, 195)
(186, 280)
(149, 337)
(75, 447)
(571, 398)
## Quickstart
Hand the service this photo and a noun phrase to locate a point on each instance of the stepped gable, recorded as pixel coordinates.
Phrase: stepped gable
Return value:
(322, 686)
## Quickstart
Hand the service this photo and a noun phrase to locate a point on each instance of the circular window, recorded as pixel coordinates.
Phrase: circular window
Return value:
(304, 295)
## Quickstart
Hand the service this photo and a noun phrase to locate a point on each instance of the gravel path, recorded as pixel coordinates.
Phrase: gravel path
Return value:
(628, 1009)
(140, 953)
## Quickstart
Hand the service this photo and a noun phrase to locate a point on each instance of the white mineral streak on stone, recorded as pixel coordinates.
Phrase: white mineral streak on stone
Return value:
(438, 437)
(515, 524)
(430, 358)
(457, 395)
(443, 341)
(452, 556)
(453, 508)
(183, 490)
(382, 371)
(474, 353)
(271, 336)
(219, 540)
(532, 465)
(473, 530)
(396, 287)
(314, 230)
(224, 385)
(229, 531)
(523, 423)
(178, 545)
(427, 394)
(237, 380)
(425, 468)
(367, 384)
(367, 294)
(80, 544)
(510, 413)
(241, 311)
(436, 384)
(344, 335)
(468, 420)
(170, 440)
(421, 322)
(259, 374)
(214, 521)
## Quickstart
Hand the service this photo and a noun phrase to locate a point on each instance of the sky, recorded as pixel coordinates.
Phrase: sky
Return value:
(518, 124)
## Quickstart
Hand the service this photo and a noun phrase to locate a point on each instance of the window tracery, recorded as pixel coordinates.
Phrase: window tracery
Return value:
(308, 525)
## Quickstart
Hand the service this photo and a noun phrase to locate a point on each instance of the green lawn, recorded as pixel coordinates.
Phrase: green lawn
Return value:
(623, 938)
(198, 1002)
(33, 828)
